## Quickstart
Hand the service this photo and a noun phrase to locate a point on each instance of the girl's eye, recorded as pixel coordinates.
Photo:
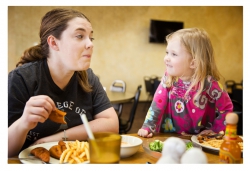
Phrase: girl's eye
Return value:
(174, 54)
(92, 39)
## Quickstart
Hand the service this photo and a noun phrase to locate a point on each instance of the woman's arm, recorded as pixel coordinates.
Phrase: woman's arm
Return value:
(16, 137)
(37, 109)
(105, 121)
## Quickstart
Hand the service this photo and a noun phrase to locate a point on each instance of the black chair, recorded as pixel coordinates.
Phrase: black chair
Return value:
(235, 90)
(118, 86)
(238, 109)
(230, 84)
(126, 124)
(151, 86)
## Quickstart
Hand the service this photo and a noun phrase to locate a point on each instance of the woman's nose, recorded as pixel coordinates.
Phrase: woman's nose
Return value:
(89, 44)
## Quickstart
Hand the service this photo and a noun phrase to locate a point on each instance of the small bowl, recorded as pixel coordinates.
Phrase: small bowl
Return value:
(130, 145)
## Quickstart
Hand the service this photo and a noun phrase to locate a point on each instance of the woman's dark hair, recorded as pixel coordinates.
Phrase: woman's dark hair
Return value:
(54, 23)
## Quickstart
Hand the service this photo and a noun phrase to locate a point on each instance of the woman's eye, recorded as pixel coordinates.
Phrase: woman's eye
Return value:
(79, 36)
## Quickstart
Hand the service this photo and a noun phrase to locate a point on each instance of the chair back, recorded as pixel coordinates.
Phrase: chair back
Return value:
(238, 109)
(148, 85)
(133, 110)
(118, 86)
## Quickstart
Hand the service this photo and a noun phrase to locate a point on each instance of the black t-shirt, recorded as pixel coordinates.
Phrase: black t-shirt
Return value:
(34, 79)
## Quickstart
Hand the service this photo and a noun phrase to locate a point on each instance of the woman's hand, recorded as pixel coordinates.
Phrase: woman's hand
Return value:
(144, 133)
(37, 109)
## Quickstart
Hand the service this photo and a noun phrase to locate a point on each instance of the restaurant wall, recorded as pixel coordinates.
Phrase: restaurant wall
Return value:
(121, 46)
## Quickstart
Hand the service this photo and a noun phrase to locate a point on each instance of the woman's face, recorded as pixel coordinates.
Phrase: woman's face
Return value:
(177, 59)
(75, 46)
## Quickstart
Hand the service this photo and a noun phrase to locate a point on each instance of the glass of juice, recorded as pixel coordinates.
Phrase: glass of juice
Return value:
(105, 148)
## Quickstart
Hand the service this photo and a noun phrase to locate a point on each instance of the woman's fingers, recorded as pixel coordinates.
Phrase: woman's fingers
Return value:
(43, 101)
(37, 109)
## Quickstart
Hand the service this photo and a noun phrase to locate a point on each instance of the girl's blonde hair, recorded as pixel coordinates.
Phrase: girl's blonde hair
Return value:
(198, 44)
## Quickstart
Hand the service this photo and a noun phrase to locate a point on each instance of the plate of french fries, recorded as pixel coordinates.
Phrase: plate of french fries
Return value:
(213, 143)
(77, 152)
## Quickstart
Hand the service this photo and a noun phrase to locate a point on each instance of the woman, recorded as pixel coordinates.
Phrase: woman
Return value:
(56, 74)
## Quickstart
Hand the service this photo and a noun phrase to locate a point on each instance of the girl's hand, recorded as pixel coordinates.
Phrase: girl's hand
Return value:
(37, 109)
(144, 133)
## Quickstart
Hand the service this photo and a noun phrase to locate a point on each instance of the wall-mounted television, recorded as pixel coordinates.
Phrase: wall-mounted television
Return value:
(160, 29)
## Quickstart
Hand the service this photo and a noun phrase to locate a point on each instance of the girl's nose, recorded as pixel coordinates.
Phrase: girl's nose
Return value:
(166, 58)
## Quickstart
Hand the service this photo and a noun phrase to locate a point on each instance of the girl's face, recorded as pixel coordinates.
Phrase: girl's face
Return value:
(75, 45)
(178, 60)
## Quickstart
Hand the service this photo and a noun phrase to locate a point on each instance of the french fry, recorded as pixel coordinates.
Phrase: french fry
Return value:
(63, 155)
(76, 152)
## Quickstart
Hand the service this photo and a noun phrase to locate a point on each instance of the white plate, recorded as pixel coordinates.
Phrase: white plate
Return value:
(26, 153)
(196, 141)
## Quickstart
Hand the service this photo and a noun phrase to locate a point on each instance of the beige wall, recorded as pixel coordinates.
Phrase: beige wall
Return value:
(121, 46)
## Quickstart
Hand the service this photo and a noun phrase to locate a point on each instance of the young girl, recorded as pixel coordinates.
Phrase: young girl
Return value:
(189, 98)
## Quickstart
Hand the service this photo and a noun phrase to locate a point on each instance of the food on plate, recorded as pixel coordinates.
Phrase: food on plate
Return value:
(58, 116)
(41, 153)
(215, 140)
(217, 143)
(156, 145)
(189, 145)
(57, 150)
(76, 152)
(210, 136)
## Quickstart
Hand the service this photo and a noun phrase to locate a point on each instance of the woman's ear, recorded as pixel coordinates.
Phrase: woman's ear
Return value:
(51, 40)
(193, 64)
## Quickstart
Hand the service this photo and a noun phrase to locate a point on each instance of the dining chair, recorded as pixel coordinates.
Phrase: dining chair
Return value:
(118, 86)
(151, 84)
(238, 109)
(126, 124)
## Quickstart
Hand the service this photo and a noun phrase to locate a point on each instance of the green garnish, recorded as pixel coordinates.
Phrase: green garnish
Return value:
(189, 145)
(156, 145)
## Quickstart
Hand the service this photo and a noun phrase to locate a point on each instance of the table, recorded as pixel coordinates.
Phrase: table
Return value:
(141, 157)
(119, 97)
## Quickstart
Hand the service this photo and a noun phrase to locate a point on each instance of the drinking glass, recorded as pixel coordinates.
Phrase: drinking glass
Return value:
(105, 148)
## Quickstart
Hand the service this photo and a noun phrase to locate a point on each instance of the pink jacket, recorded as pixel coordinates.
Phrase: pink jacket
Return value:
(170, 112)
